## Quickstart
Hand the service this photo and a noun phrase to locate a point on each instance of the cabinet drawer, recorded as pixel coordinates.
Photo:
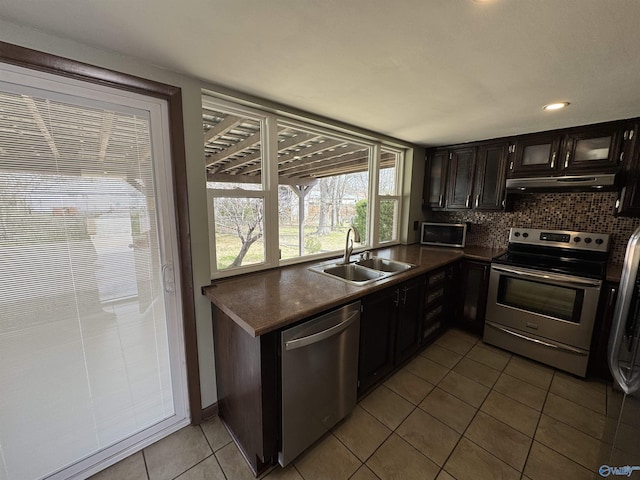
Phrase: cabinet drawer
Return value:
(436, 278)
(431, 329)
(433, 314)
(435, 295)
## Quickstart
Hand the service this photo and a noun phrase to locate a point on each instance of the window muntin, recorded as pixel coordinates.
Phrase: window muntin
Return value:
(319, 186)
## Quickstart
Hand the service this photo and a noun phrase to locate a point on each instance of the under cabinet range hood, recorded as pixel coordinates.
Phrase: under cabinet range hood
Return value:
(569, 183)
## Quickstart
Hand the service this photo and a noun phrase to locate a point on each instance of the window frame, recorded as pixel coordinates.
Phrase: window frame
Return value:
(399, 166)
(270, 122)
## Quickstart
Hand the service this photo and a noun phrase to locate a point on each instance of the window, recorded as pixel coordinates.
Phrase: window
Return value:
(233, 156)
(388, 195)
(323, 184)
(281, 190)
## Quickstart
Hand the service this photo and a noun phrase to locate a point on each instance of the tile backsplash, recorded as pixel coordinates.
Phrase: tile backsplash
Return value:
(587, 212)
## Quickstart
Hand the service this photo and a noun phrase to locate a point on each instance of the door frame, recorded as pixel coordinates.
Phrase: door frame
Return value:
(36, 60)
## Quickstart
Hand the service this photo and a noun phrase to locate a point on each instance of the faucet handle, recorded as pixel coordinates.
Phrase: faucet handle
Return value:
(366, 255)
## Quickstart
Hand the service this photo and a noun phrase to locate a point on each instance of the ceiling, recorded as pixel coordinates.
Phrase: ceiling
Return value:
(430, 72)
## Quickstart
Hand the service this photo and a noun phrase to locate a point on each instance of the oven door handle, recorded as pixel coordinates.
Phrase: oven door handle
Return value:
(563, 348)
(552, 277)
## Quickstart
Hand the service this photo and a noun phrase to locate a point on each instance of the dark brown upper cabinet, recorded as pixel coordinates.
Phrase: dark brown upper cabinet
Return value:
(535, 155)
(591, 149)
(577, 150)
(460, 177)
(468, 177)
(435, 179)
(628, 203)
(490, 180)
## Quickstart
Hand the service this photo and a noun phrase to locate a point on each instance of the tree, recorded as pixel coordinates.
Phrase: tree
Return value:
(386, 221)
(242, 216)
(326, 188)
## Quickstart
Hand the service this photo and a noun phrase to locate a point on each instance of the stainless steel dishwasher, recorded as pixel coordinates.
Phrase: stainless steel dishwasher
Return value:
(319, 377)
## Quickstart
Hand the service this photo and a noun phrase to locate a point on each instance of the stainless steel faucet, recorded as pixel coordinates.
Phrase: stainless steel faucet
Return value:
(348, 247)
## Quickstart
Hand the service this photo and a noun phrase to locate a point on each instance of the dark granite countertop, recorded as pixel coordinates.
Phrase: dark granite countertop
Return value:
(265, 301)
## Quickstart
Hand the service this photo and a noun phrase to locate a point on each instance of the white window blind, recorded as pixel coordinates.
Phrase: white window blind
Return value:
(84, 341)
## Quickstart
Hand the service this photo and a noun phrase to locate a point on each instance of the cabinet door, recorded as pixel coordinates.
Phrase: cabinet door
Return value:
(490, 177)
(475, 277)
(408, 319)
(376, 338)
(629, 202)
(536, 155)
(594, 149)
(435, 179)
(460, 178)
(598, 361)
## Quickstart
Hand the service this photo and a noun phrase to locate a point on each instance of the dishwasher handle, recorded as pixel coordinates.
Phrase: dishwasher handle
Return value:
(323, 335)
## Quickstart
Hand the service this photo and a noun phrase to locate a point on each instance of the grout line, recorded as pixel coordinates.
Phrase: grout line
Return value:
(146, 468)
(194, 466)
(213, 452)
(462, 435)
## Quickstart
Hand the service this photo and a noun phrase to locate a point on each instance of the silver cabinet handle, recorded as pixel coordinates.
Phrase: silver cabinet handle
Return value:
(404, 295)
(477, 200)
(553, 160)
(318, 337)
(440, 200)
(566, 159)
(612, 297)
(563, 348)
(466, 204)
(511, 166)
(621, 157)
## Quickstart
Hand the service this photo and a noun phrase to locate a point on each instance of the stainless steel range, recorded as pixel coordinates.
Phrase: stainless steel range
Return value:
(543, 295)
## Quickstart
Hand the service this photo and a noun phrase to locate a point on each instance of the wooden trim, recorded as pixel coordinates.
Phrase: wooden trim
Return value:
(210, 412)
(35, 60)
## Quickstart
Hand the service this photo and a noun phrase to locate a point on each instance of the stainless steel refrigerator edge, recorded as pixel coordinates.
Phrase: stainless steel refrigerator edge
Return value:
(319, 377)
(624, 363)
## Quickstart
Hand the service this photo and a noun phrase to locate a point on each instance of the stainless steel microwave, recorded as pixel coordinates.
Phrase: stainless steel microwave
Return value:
(443, 234)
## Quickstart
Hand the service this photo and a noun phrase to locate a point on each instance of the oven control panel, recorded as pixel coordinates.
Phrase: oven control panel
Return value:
(595, 242)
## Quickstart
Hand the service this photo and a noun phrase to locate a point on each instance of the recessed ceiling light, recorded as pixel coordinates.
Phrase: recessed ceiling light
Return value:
(555, 106)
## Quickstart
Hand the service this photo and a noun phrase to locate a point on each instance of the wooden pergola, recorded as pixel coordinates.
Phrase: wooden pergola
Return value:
(232, 147)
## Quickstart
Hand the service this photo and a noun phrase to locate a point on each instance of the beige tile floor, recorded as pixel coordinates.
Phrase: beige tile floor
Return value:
(460, 410)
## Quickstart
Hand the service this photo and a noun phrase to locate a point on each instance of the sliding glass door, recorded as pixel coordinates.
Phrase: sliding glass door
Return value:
(91, 346)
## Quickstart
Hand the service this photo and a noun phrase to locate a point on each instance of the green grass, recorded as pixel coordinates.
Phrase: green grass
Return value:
(228, 246)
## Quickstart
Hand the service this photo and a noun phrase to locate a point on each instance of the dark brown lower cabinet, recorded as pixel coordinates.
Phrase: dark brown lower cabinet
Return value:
(377, 329)
(472, 305)
(408, 319)
(248, 397)
(389, 331)
(598, 362)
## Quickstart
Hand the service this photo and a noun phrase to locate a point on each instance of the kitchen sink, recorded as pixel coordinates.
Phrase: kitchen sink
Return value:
(354, 273)
(362, 272)
(385, 265)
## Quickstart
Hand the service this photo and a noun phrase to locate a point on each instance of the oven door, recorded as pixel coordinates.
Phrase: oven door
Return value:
(549, 305)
